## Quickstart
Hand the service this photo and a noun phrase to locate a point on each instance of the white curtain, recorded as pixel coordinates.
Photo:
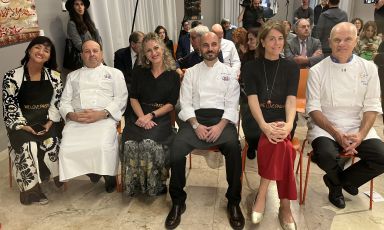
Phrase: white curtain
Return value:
(347, 6)
(230, 9)
(113, 19)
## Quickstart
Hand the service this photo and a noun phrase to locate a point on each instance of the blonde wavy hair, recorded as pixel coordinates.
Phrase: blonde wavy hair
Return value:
(168, 61)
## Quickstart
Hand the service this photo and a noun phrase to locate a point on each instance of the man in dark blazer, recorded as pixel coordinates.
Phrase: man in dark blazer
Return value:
(127, 58)
(304, 49)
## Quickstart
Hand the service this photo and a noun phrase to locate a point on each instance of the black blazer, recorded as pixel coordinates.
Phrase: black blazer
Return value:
(123, 62)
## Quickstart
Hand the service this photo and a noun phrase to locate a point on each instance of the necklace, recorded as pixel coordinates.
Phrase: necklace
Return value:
(269, 90)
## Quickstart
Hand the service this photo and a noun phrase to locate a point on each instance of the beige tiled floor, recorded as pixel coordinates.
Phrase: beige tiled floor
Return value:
(88, 206)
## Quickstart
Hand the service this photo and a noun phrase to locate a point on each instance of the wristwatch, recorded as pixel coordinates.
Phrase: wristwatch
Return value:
(195, 125)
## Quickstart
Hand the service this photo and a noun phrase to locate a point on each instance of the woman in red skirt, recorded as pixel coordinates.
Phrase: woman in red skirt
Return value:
(271, 84)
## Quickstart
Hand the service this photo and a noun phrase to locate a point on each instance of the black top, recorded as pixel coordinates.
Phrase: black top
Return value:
(317, 11)
(251, 17)
(148, 89)
(286, 83)
(169, 45)
(379, 19)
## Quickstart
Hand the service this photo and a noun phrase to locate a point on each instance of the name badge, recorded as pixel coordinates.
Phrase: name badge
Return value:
(364, 79)
(225, 77)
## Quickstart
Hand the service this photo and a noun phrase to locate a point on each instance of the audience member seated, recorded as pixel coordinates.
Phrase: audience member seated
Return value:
(252, 15)
(358, 22)
(230, 55)
(327, 20)
(247, 120)
(227, 28)
(209, 99)
(271, 84)
(127, 58)
(304, 49)
(163, 34)
(184, 43)
(304, 11)
(343, 100)
(31, 96)
(369, 41)
(92, 104)
(240, 41)
(80, 26)
(288, 30)
(148, 130)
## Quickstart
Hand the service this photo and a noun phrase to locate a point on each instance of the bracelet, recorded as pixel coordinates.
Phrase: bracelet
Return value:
(107, 114)
(153, 114)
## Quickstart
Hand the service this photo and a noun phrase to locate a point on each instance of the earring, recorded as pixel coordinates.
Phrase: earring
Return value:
(147, 61)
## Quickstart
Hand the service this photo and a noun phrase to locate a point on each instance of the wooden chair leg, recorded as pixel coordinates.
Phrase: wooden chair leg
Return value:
(190, 160)
(243, 158)
(119, 184)
(10, 171)
(306, 179)
(371, 195)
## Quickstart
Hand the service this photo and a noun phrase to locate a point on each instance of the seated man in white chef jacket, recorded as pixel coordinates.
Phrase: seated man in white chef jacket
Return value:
(93, 101)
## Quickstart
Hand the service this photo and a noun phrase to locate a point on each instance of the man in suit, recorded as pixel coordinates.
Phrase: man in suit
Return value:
(127, 58)
(304, 49)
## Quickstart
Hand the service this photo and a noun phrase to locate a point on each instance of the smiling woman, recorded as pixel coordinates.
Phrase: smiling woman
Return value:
(31, 95)
(148, 130)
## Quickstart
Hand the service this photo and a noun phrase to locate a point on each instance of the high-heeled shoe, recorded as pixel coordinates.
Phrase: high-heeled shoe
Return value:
(256, 217)
(286, 226)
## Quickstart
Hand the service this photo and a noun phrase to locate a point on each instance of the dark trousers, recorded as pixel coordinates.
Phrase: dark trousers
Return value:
(370, 165)
(186, 141)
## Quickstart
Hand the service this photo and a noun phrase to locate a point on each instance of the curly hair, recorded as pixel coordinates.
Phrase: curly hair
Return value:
(264, 31)
(168, 61)
(239, 36)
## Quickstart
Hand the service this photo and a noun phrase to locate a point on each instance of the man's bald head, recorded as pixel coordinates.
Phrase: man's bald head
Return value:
(343, 39)
(210, 46)
(218, 30)
(344, 26)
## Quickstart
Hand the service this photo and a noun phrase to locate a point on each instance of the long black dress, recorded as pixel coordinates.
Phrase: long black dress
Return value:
(145, 152)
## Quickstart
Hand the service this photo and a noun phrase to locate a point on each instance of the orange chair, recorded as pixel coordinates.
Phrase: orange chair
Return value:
(352, 156)
(300, 108)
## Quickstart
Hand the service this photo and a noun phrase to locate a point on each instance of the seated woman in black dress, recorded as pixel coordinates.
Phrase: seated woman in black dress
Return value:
(148, 131)
(31, 95)
(271, 84)
(163, 34)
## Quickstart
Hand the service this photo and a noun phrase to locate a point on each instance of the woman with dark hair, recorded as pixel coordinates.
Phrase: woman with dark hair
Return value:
(163, 34)
(148, 130)
(80, 26)
(249, 124)
(31, 95)
(271, 84)
(358, 22)
(369, 41)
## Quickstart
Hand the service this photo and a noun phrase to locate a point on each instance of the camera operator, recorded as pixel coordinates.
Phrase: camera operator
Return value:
(252, 15)
(379, 17)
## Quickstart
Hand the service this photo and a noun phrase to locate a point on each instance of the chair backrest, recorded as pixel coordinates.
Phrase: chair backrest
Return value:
(301, 91)
(302, 83)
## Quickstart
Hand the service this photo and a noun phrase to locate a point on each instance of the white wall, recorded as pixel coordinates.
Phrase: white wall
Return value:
(363, 11)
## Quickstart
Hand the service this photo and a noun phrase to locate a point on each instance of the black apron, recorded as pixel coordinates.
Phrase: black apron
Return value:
(34, 100)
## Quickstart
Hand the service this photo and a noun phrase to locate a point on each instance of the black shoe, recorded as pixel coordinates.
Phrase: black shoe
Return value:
(163, 191)
(94, 177)
(58, 183)
(174, 216)
(251, 153)
(236, 218)
(110, 183)
(335, 194)
(351, 189)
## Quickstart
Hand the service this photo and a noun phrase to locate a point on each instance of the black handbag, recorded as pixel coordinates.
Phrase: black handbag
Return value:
(72, 57)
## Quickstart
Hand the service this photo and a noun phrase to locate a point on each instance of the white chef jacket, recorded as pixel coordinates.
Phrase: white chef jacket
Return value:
(206, 87)
(343, 92)
(230, 55)
(91, 148)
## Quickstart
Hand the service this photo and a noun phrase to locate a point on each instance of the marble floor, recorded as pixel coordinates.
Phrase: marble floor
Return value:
(87, 206)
